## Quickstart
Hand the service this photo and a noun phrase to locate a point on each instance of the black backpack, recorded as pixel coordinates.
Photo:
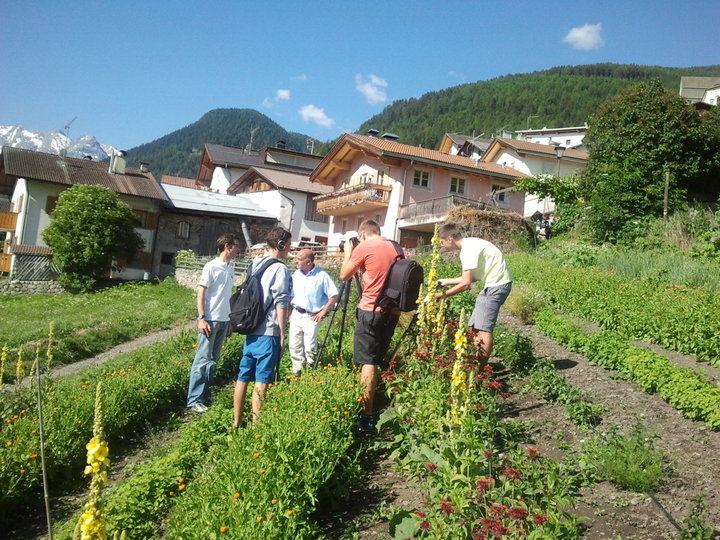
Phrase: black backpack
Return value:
(402, 284)
(247, 304)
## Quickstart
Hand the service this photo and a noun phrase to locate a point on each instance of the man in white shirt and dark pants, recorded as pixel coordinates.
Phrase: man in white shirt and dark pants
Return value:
(483, 262)
(213, 307)
(314, 294)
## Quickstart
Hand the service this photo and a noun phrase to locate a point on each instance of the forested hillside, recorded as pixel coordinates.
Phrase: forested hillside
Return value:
(178, 153)
(561, 96)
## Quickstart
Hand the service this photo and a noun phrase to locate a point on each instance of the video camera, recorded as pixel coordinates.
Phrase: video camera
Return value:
(354, 240)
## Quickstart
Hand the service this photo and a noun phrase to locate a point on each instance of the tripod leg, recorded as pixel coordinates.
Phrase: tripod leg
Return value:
(343, 290)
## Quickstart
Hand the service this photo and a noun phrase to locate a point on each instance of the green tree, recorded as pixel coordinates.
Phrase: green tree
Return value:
(91, 226)
(634, 139)
(564, 190)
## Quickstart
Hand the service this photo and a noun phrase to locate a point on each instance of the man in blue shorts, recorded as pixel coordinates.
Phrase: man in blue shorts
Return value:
(263, 348)
(483, 262)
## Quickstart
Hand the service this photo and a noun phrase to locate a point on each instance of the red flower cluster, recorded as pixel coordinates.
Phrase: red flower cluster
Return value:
(494, 526)
(425, 525)
(446, 507)
(533, 452)
(420, 514)
(498, 509)
(493, 385)
(483, 484)
(539, 519)
(488, 453)
(430, 466)
(512, 473)
(518, 513)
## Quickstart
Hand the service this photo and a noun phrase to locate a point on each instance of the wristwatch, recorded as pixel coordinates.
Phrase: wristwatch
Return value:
(200, 317)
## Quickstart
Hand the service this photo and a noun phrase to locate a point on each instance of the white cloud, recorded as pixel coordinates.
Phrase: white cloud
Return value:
(457, 75)
(585, 37)
(373, 88)
(311, 113)
(301, 77)
(281, 95)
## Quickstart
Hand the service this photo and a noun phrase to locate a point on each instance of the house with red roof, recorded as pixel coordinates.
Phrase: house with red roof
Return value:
(32, 181)
(406, 189)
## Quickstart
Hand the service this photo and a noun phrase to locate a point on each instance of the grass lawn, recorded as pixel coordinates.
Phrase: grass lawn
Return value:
(86, 324)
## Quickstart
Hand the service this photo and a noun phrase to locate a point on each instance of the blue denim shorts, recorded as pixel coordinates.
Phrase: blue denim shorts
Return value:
(260, 359)
(487, 307)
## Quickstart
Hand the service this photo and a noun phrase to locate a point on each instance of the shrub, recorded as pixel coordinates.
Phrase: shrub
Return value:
(91, 226)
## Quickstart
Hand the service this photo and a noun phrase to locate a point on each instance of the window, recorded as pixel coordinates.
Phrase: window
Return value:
(343, 228)
(182, 232)
(457, 185)
(142, 219)
(567, 142)
(421, 179)
(311, 213)
(168, 258)
(50, 203)
(499, 197)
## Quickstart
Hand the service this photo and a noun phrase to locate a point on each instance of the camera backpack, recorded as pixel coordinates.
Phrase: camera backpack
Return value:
(402, 284)
(247, 304)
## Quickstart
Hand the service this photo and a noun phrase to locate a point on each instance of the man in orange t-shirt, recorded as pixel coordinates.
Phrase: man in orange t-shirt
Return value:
(374, 328)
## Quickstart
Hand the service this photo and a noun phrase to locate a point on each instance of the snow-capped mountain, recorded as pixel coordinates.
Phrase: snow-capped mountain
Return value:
(54, 141)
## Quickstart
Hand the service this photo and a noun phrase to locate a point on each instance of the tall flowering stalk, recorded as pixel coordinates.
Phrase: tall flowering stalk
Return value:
(3, 363)
(49, 355)
(460, 377)
(19, 368)
(91, 525)
(431, 313)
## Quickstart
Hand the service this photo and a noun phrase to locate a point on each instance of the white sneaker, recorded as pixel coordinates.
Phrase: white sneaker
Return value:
(198, 408)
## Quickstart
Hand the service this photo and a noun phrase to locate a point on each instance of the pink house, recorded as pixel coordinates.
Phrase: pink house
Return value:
(406, 189)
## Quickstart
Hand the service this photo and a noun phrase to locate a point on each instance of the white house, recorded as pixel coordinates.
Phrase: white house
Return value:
(276, 177)
(534, 159)
(568, 137)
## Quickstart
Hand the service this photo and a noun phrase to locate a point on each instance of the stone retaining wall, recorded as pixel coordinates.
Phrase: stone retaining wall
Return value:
(22, 288)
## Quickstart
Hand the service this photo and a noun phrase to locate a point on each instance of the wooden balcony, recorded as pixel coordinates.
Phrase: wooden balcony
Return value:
(8, 221)
(436, 208)
(353, 200)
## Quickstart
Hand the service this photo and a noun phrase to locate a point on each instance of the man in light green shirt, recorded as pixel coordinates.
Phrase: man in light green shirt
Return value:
(483, 262)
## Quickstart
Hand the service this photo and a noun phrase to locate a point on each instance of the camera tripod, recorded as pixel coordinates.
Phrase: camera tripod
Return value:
(343, 298)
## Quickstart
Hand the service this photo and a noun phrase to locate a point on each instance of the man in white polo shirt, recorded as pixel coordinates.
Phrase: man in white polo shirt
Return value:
(213, 305)
(483, 262)
(313, 295)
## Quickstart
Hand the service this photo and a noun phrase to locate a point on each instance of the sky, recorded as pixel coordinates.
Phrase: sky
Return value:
(129, 72)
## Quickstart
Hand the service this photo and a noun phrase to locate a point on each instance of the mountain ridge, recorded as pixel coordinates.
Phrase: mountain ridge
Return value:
(54, 142)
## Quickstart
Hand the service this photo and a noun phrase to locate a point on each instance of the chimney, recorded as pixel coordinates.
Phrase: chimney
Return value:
(280, 144)
(117, 162)
(390, 137)
(144, 167)
(373, 132)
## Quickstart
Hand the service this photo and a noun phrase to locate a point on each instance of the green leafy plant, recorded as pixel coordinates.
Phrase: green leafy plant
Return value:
(694, 526)
(630, 461)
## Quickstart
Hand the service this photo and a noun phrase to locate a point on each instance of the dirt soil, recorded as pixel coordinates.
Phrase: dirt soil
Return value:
(693, 448)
